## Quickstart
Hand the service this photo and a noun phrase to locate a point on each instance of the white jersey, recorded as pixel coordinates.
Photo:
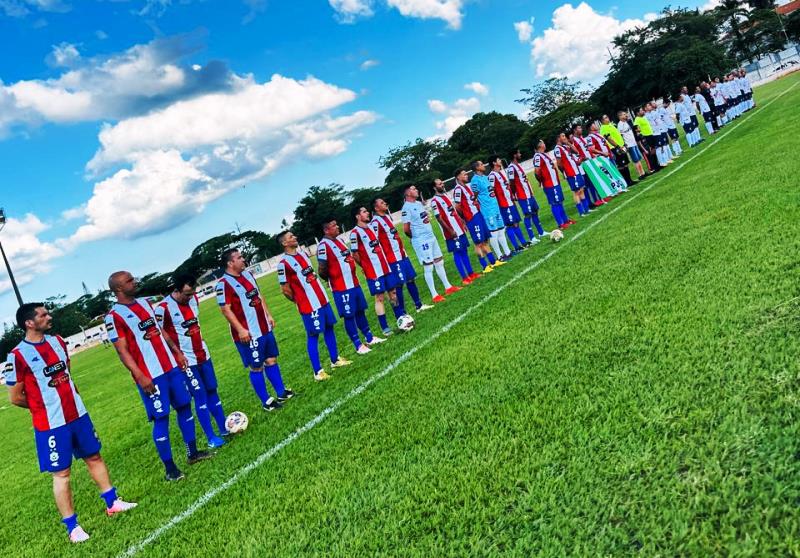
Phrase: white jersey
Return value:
(415, 214)
(683, 114)
(702, 103)
(181, 323)
(627, 133)
(655, 122)
(666, 118)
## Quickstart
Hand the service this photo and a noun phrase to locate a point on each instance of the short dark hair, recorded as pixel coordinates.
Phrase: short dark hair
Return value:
(327, 221)
(494, 158)
(407, 188)
(458, 171)
(226, 256)
(27, 312)
(374, 201)
(514, 152)
(474, 165)
(180, 280)
(356, 210)
(575, 127)
(280, 237)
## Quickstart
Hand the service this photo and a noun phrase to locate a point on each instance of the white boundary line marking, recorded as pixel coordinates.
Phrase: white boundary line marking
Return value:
(358, 390)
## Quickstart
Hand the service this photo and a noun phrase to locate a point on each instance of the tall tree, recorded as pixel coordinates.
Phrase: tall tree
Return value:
(319, 204)
(487, 133)
(547, 96)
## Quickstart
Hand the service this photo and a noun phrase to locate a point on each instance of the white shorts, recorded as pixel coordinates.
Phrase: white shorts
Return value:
(427, 249)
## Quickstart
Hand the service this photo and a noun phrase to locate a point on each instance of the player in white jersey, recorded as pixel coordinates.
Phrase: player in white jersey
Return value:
(665, 112)
(748, 89)
(659, 134)
(417, 226)
(39, 378)
(689, 104)
(705, 109)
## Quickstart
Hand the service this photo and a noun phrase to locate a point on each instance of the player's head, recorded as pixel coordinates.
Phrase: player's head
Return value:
(330, 228)
(438, 186)
(233, 261)
(622, 116)
(361, 215)
(496, 162)
(561, 139)
(515, 155)
(640, 111)
(478, 167)
(379, 205)
(605, 119)
(461, 175)
(184, 287)
(33, 316)
(593, 127)
(667, 102)
(698, 90)
(287, 240)
(684, 89)
(123, 283)
(411, 193)
(540, 146)
(577, 130)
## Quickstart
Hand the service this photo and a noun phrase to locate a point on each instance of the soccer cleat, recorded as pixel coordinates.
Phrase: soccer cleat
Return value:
(321, 376)
(376, 340)
(504, 259)
(452, 290)
(287, 395)
(499, 262)
(571, 222)
(174, 476)
(388, 331)
(466, 282)
(272, 404)
(438, 298)
(215, 442)
(563, 227)
(199, 456)
(78, 535)
(545, 233)
(362, 350)
(534, 241)
(424, 307)
(474, 276)
(341, 362)
(607, 199)
(488, 269)
(120, 506)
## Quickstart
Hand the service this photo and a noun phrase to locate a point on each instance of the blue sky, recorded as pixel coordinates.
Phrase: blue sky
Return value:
(130, 131)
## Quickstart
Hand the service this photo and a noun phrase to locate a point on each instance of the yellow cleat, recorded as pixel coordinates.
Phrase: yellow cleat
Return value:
(498, 263)
(341, 362)
(321, 376)
(488, 269)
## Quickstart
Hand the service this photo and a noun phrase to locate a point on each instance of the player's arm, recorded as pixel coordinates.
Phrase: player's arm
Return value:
(180, 358)
(283, 280)
(270, 319)
(241, 331)
(322, 271)
(17, 397)
(354, 248)
(163, 319)
(125, 356)
(407, 229)
(287, 291)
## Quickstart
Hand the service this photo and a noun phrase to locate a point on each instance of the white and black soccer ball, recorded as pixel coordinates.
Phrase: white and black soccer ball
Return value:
(405, 323)
(556, 235)
(237, 421)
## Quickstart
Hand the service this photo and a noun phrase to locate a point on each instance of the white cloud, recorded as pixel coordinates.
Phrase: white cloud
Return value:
(454, 114)
(347, 11)
(710, 5)
(566, 49)
(524, 30)
(21, 8)
(477, 87)
(27, 254)
(367, 64)
(64, 55)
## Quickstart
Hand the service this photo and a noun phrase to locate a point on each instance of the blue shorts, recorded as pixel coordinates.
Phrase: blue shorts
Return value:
(493, 221)
(673, 133)
(457, 244)
(171, 391)
(662, 139)
(319, 320)
(575, 182)
(57, 446)
(708, 116)
(381, 284)
(688, 127)
(201, 377)
(695, 122)
(510, 215)
(555, 195)
(478, 229)
(402, 272)
(529, 206)
(350, 302)
(255, 353)
(635, 154)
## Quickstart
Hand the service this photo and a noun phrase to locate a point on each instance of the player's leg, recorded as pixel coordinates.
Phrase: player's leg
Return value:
(197, 389)
(252, 357)
(62, 491)
(313, 328)
(347, 312)
(380, 310)
(408, 273)
(273, 372)
(181, 400)
(157, 407)
(108, 492)
(328, 321)
(206, 371)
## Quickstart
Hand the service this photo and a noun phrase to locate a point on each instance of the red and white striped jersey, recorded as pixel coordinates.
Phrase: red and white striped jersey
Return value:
(599, 143)
(549, 173)
(564, 156)
(364, 242)
(341, 265)
(389, 238)
(502, 188)
(443, 208)
(137, 324)
(296, 271)
(43, 370)
(181, 322)
(242, 295)
(466, 200)
(519, 181)
(582, 145)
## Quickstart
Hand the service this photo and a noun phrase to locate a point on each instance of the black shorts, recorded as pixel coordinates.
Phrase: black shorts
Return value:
(707, 116)
(673, 133)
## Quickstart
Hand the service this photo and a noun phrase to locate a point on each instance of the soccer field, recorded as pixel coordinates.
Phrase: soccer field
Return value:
(632, 390)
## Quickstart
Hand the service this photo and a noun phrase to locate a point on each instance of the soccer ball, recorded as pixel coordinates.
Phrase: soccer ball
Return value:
(405, 322)
(556, 235)
(236, 422)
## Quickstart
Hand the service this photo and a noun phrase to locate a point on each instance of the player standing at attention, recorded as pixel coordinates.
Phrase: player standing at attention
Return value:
(689, 103)
(337, 266)
(597, 182)
(505, 199)
(38, 376)
(468, 206)
(454, 231)
(395, 253)
(668, 121)
(251, 324)
(523, 193)
(569, 168)
(368, 253)
(660, 134)
(601, 151)
(155, 364)
(649, 141)
(705, 109)
(299, 284)
(490, 210)
(179, 316)
(618, 148)
(417, 226)
(547, 175)
(631, 145)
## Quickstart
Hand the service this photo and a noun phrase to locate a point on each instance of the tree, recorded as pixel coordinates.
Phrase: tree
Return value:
(562, 119)
(792, 25)
(12, 335)
(547, 96)
(320, 204)
(486, 133)
(411, 163)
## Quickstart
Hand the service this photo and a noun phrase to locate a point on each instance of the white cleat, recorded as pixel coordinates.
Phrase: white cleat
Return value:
(423, 308)
(78, 535)
(120, 506)
(534, 241)
(363, 349)
(376, 340)
(545, 233)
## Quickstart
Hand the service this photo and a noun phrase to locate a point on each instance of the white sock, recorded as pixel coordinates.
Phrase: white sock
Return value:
(676, 148)
(439, 267)
(503, 238)
(495, 245)
(428, 272)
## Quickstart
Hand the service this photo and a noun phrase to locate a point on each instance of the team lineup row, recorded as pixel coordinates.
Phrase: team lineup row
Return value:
(162, 345)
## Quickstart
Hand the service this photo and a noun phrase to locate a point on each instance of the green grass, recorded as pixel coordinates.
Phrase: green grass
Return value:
(636, 393)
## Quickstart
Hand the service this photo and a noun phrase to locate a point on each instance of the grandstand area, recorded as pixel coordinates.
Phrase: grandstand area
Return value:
(631, 390)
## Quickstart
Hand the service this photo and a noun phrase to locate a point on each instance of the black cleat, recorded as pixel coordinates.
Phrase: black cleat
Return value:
(200, 456)
(287, 394)
(174, 476)
(272, 404)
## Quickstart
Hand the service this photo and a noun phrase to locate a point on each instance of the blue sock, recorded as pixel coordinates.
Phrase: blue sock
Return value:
(512, 237)
(312, 346)
(109, 497)
(556, 214)
(398, 310)
(161, 439)
(259, 384)
(382, 322)
(465, 261)
(459, 264)
(538, 224)
(352, 331)
(529, 226)
(70, 522)
(563, 211)
(579, 207)
(414, 291)
(520, 236)
(491, 258)
(186, 426)
(401, 297)
(203, 415)
(483, 262)
(215, 408)
(330, 342)
(363, 325)
(273, 372)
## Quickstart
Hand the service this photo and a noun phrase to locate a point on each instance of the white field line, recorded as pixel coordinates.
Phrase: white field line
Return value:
(134, 549)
